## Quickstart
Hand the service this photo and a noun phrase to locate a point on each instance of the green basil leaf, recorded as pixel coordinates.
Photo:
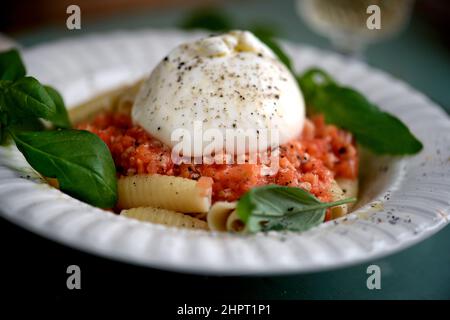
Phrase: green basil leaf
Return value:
(19, 124)
(11, 65)
(207, 19)
(4, 115)
(27, 124)
(61, 117)
(3, 111)
(3, 134)
(373, 128)
(266, 30)
(275, 207)
(80, 161)
(26, 98)
(312, 81)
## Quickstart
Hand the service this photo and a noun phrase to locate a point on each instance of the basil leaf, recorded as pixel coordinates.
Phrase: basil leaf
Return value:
(312, 81)
(275, 207)
(11, 65)
(26, 98)
(61, 118)
(80, 161)
(25, 123)
(3, 113)
(265, 30)
(207, 19)
(29, 124)
(373, 128)
(3, 133)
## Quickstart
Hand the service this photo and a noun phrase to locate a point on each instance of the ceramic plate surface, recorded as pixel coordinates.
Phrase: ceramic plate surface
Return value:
(402, 202)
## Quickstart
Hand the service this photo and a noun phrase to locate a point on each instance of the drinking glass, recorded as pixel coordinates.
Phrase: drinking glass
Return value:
(343, 22)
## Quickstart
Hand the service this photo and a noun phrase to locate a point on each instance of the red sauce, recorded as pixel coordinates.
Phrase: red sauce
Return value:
(323, 152)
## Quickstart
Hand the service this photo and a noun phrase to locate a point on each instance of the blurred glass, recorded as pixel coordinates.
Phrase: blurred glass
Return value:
(344, 21)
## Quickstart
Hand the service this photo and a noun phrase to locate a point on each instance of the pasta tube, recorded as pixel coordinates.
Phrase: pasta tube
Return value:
(234, 223)
(166, 192)
(218, 215)
(338, 194)
(118, 100)
(349, 188)
(165, 217)
(342, 189)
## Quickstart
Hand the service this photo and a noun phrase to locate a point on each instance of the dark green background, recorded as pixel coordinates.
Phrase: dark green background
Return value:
(417, 56)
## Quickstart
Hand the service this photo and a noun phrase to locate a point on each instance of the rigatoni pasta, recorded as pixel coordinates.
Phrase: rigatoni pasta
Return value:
(349, 188)
(165, 217)
(338, 194)
(218, 215)
(167, 192)
(118, 100)
(234, 223)
(223, 217)
(342, 189)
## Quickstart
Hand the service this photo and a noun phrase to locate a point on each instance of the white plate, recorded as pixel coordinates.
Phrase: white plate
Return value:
(403, 201)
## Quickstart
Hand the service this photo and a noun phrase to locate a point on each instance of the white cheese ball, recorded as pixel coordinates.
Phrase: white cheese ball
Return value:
(231, 81)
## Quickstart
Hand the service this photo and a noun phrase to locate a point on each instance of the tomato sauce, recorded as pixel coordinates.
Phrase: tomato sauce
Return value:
(322, 152)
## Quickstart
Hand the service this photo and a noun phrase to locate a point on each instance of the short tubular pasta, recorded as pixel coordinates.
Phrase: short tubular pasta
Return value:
(118, 100)
(338, 194)
(165, 217)
(198, 215)
(349, 188)
(218, 215)
(167, 192)
(234, 223)
(125, 98)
